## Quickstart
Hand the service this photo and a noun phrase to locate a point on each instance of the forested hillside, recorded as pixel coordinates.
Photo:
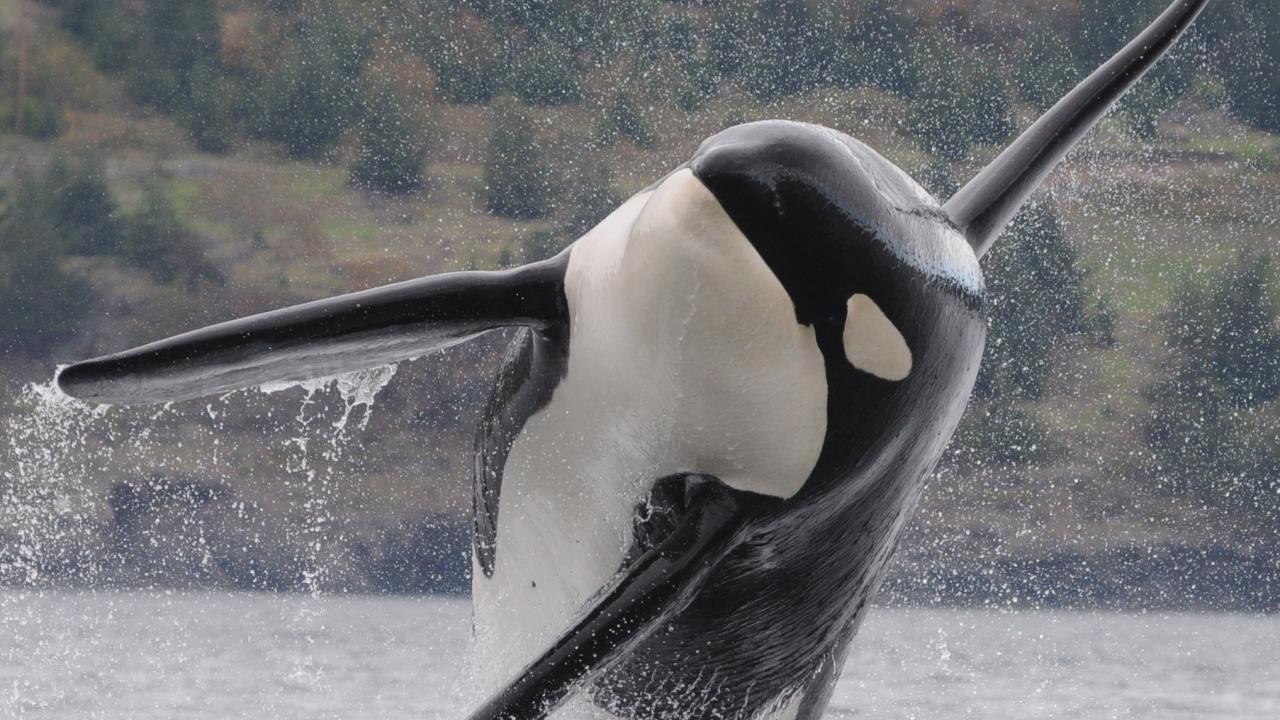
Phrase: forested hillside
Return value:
(169, 163)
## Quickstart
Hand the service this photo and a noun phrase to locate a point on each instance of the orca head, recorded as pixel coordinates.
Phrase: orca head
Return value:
(886, 276)
(890, 287)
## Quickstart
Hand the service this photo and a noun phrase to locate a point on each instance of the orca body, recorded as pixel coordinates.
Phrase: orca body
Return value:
(706, 335)
(714, 421)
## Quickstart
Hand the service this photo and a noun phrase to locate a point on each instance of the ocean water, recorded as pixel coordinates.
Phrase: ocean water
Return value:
(153, 656)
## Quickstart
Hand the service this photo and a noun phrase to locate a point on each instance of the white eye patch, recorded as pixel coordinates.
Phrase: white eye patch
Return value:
(872, 343)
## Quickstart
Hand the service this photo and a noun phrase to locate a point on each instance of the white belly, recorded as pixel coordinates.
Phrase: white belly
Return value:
(684, 356)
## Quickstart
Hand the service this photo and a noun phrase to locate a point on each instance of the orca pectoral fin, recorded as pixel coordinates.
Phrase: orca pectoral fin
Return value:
(326, 337)
(659, 583)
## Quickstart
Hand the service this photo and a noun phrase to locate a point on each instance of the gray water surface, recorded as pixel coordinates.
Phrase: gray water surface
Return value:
(153, 656)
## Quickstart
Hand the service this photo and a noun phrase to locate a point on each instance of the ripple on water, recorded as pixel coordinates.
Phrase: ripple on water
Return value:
(148, 656)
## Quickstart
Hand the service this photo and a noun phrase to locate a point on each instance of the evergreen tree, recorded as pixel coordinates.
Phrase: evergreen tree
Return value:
(789, 48)
(1103, 27)
(72, 200)
(100, 25)
(625, 118)
(545, 73)
(155, 239)
(993, 117)
(1048, 69)
(1036, 302)
(516, 180)
(42, 118)
(944, 110)
(41, 305)
(698, 82)
(878, 51)
(392, 146)
(208, 114)
(174, 37)
(468, 59)
(80, 207)
(588, 198)
(312, 103)
(1247, 42)
(1214, 426)
(1106, 27)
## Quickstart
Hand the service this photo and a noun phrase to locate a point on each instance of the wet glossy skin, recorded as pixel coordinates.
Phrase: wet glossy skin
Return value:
(729, 603)
(775, 614)
(833, 221)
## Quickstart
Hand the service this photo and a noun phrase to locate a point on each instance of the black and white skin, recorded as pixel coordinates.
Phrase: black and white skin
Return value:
(714, 420)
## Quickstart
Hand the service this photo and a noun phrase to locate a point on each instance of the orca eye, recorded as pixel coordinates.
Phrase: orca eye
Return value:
(872, 343)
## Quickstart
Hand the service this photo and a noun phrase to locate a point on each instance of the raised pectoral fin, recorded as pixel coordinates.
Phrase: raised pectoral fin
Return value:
(326, 337)
(657, 584)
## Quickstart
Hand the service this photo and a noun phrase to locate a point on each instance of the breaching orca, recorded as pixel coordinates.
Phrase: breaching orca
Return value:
(714, 421)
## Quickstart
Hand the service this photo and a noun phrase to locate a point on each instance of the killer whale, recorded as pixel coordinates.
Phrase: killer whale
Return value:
(719, 409)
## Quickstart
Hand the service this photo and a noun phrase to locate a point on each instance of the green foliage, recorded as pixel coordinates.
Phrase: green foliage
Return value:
(168, 52)
(104, 30)
(589, 196)
(71, 211)
(41, 305)
(392, 145)
(625, 118)
(312, 101)
(545, 74)
(878, 47)
(777, 47)
(1214, 427)
(1047, 69)
(1036, 304)
(155, 239)
(993, 116)
(42, 118)
(1002, 433)
(174, 38)
(1143, 105)
(957, 101)
(1036, 301)
(1248, 54)
(209, 114)
(306, 94)
(1104, 28)
(468, 59)
(697, 83)
(74, 200)
(516, 180)
(937, 178)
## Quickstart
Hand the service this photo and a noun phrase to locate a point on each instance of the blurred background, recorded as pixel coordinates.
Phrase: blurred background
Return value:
(165, 164)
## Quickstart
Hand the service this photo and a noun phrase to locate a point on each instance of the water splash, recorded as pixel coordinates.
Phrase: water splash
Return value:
(61, 458)
(83, 487)
(43, 504)
(356, 389)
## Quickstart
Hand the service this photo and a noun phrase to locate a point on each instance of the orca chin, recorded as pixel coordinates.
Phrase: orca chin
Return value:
(714, 420)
